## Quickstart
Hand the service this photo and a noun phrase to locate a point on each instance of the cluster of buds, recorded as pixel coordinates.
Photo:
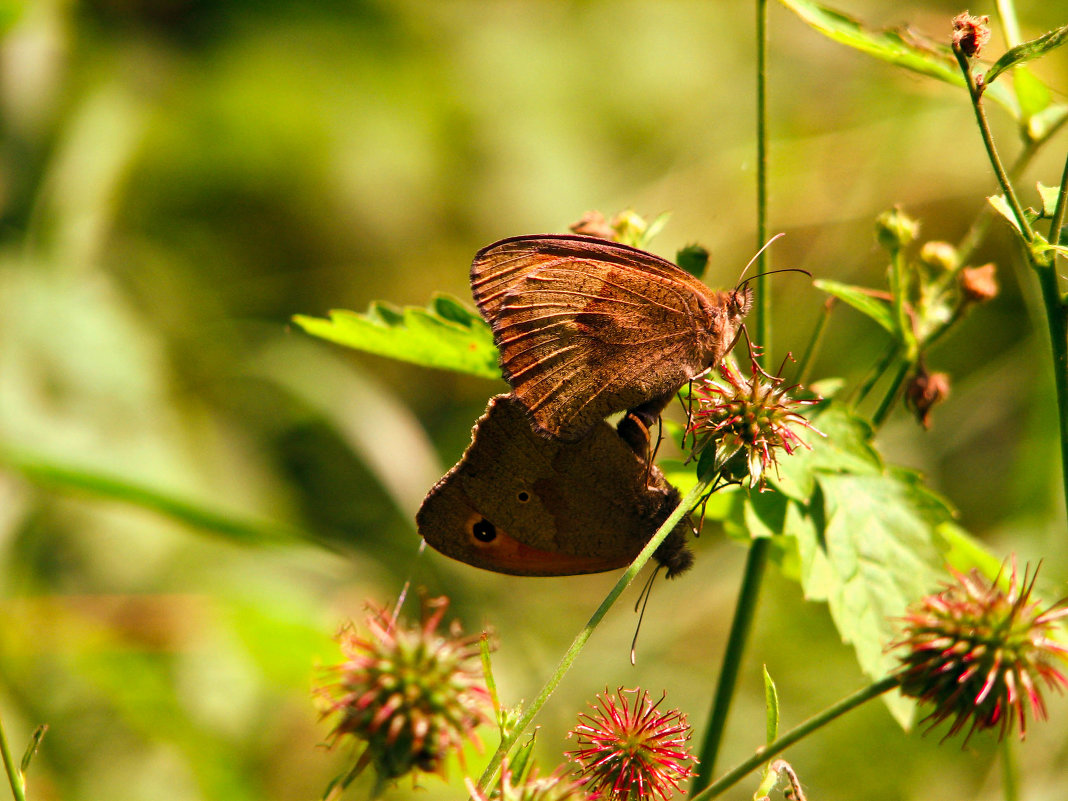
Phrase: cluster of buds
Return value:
(746, 422)
(408, 693)
(979, 653)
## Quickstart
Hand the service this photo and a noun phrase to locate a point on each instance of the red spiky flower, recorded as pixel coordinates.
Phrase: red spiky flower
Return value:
(629, 749)
(408, 693)
(980, 652)
(747, 422)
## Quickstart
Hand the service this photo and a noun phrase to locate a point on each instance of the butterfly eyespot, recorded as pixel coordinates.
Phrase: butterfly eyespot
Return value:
(484, 531)
(523, 496)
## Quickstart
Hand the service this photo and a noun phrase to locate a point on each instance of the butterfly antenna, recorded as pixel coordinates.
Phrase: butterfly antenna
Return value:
(404, 590)
(757, 254)
(400, 603)
(642, 602)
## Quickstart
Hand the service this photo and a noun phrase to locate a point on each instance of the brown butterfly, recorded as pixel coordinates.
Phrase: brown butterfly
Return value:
(521, 503)
(587, 327)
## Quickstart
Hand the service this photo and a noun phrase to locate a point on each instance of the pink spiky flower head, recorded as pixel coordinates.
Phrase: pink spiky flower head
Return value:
(630, 750)
(980, 653)
(409, 693)
(747, 422)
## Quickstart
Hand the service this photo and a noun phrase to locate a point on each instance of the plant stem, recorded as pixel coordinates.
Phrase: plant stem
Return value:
(805, 365)
(756, 560)
(584, 635)
(765, 753)
(748, 594)
(762, 333)
(887, 404)
(14, 775)
(1010, 774)
(988, 140)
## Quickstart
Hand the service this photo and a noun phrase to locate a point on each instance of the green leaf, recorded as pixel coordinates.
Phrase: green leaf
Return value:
(1032, 95)
(860, 299)
(877, 554)
(901, 48)
(771, 708)
(31, 749)
(1049, 195)
(1045, 122)
(845, 447)
(1026, 51)
(1002, 207)
(445, 335)
(654, 228)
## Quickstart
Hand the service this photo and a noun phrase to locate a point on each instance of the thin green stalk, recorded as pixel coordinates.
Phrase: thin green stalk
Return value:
(584, 635)
(762, 320)
(1010, 771)
(765, 753)
(744, 610)
(757, 558)
(890, 397)
(814, 343)
(875, 374)
(14, 775)
(988, 141)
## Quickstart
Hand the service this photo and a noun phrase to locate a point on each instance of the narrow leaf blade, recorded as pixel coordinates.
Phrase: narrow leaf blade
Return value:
(1027, 51)
(860, 299)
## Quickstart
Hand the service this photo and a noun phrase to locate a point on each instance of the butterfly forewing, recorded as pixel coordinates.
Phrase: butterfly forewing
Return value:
(587, 327)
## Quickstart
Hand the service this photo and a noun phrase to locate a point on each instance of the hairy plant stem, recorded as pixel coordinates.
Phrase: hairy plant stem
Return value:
(14, 775)
(976, 92)
(891, 395)
(764, 753)
(757, 558)
(1043, 263)
(744, 609)
(583, 636)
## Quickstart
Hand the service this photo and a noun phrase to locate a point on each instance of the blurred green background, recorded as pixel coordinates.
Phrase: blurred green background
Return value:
(179, 177)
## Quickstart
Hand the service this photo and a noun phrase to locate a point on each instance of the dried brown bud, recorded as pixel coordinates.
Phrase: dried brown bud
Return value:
(593, 223)
(925, 391)
(941, 255)
(979, 284)
(970, 33)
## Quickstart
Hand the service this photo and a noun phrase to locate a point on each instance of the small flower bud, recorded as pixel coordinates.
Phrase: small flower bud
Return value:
(693, 259)
(629, 227)
(979, 284)
(894, 229)
(940, 255)
(970, 33)
(924, 392)
(593, 223)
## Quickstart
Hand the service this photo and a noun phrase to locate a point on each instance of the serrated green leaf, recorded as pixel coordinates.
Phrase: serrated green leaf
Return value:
(845, 446)
(860, 299)
(1026, 51)
(445, 335)
(771, 708)
(878, 554)
(901, 48)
